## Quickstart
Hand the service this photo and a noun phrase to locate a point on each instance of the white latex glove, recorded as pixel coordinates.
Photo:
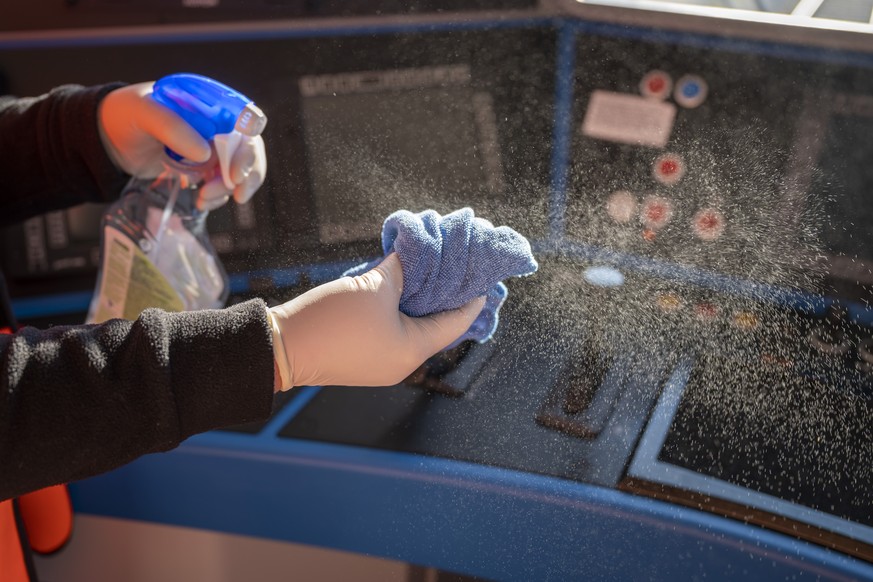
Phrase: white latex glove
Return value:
(135, 128)
(351, 332)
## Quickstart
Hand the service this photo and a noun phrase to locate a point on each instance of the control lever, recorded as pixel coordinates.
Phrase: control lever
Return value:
(831, 335)
(584, 376)
(865, 356)
(585, 394)
(451, 372)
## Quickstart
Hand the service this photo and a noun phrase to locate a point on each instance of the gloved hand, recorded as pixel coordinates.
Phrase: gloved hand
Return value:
(135, 128)
(351, 331)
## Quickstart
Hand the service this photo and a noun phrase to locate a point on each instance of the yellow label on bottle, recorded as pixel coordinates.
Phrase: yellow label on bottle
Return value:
(130, 282)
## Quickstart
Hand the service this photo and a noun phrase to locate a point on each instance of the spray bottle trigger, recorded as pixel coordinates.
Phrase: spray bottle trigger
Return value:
(226, 145)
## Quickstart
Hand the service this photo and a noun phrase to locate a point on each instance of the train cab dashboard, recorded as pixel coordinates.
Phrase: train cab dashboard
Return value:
(684, 389)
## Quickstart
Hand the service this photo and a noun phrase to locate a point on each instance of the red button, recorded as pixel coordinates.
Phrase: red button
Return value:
(668, 169)
(706, 311)
(656, 84)
(708, 224)
(656, 212)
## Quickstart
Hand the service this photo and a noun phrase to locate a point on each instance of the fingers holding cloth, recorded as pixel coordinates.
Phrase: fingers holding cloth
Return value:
(448, 260)
(351, 331)
(439, 283)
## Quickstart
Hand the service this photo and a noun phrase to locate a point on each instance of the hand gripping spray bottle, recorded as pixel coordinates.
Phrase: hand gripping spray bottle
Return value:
(155, 248)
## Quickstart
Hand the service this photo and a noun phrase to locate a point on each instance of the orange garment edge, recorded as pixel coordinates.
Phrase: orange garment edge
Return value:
(48, 519)
(12, 566)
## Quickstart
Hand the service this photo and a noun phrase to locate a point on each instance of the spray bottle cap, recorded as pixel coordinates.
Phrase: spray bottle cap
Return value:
(217, 112)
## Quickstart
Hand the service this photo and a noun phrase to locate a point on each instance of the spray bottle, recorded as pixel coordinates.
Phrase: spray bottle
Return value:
(155, 248)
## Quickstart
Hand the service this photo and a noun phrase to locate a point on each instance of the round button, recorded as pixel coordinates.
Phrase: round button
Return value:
(691, 91)
(745, 320)
(621, 206)
(656, 84)
(706, 311)
(668, 302)
(708, 224)
(668, 169)
(656, 212)
(602, 276)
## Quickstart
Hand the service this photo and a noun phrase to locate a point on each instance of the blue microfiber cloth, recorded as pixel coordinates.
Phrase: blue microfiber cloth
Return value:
(449, 260)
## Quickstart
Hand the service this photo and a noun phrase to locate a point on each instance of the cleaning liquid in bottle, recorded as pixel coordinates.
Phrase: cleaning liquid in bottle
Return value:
(155, 248)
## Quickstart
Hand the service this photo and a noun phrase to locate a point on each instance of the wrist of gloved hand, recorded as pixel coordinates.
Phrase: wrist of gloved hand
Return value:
(351, 332)
(280, 358)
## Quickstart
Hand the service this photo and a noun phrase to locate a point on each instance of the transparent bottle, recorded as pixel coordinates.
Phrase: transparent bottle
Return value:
(156, 250)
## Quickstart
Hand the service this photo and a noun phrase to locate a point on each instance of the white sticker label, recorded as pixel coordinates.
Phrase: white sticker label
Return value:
(629, 119)
(115, 278)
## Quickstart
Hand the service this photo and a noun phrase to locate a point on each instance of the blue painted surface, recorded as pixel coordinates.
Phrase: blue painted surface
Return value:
(46, 305)
(562, 133)
(462, 517)
(113, 37)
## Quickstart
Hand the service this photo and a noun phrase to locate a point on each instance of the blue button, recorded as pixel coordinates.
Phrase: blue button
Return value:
(603, 276)
(691, 89)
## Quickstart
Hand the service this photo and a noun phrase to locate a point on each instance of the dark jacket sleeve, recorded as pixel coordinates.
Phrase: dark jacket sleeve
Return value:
(51, 155)
(80, 400)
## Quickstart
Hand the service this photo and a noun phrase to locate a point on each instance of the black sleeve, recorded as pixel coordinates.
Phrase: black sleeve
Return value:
(76, 401)
(51, 155)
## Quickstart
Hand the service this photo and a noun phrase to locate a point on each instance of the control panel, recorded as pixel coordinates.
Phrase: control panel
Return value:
(737, 162)
(699, 331)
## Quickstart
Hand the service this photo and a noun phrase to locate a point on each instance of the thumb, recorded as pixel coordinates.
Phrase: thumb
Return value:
(391, 272)
(170, 129)
(441, 329)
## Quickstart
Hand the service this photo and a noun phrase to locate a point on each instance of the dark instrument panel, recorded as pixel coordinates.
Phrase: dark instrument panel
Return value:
(699, 330)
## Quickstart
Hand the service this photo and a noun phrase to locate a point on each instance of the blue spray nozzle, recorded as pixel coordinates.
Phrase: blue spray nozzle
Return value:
(210, 107)
(218, 113)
